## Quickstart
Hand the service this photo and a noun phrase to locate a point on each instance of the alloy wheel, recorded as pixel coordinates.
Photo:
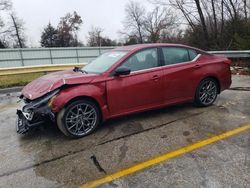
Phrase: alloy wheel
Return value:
(208, 92)
(80, 119)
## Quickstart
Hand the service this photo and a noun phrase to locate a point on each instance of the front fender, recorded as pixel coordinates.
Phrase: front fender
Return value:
(96, 92)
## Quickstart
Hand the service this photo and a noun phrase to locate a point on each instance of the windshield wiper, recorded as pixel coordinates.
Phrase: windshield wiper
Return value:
(77, 69)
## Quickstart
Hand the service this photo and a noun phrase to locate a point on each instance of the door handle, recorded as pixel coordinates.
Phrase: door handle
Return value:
(155, 77)
(197, 66)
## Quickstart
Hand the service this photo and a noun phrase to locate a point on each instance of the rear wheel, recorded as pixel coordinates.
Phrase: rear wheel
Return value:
(206, 92)
(79, 118)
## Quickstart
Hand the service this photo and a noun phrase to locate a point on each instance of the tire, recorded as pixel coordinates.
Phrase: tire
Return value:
(207, 92)
(79, 118)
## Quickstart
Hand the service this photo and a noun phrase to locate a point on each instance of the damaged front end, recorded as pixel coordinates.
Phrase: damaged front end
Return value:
(35, 112)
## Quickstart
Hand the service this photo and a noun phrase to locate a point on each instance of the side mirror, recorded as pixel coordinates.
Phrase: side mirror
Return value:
(122, 71)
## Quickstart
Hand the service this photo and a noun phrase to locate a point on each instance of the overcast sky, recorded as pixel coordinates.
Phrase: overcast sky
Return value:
(107, 14)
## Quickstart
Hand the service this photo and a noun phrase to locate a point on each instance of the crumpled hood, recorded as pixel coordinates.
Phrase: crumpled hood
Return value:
(52, 81)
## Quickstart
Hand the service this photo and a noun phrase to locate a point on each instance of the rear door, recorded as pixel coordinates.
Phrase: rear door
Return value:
(140, 89)
(180, 73)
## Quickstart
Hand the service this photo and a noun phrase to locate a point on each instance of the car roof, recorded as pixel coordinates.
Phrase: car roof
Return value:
(148, 45)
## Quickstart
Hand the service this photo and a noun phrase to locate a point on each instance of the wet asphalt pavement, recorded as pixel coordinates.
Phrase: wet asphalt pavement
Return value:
(46, 158)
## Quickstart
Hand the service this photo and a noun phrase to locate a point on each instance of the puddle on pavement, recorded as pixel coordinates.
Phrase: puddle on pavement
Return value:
(186, 133)
(132, 127)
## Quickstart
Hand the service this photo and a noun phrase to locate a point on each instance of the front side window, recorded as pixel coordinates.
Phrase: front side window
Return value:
(145, 59)
(175, 55)
(104, 62)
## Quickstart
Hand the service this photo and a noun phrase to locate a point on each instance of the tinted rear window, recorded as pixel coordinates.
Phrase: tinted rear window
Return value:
(174, 55)
(192, 54)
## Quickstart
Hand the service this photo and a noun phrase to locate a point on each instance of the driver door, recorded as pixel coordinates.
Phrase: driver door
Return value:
(141, 89)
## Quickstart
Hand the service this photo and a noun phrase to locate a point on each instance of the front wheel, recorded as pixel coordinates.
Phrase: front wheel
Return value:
(79, 118)
(206, 92)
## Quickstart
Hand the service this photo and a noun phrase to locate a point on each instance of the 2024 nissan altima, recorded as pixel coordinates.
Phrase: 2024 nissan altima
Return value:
(122, 81)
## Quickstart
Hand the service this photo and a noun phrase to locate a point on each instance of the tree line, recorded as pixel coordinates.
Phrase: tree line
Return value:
(207, 24)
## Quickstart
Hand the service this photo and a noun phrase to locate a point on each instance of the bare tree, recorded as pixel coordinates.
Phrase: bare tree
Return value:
(202, 20)
(220, 22)
(17, 31)
(193, 13)
(248, 4)
(187, 9)
(230, 8)
(215, 18)
(157, 21)
(245, 9)
(233, 6)
(133, 23)
(5, 5)
(94, 38)
(222, 17)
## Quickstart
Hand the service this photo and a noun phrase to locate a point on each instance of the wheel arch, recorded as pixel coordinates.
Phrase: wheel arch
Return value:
(85, 97)
(92, 93)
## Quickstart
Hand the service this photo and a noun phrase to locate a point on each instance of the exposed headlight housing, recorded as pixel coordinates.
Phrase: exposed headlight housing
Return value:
(50, 103)
(40, 101)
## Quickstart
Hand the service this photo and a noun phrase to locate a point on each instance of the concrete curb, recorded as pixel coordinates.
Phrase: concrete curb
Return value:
(11, 90)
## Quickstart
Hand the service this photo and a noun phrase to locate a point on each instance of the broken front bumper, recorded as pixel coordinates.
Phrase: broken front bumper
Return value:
(34, 112)
(26, 121)
(22, 124)
(41, 116)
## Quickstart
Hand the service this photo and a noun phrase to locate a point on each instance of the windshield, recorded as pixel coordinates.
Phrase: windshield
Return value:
(104, 62)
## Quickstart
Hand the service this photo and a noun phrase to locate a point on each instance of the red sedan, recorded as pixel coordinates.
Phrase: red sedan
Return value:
(122, 81)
